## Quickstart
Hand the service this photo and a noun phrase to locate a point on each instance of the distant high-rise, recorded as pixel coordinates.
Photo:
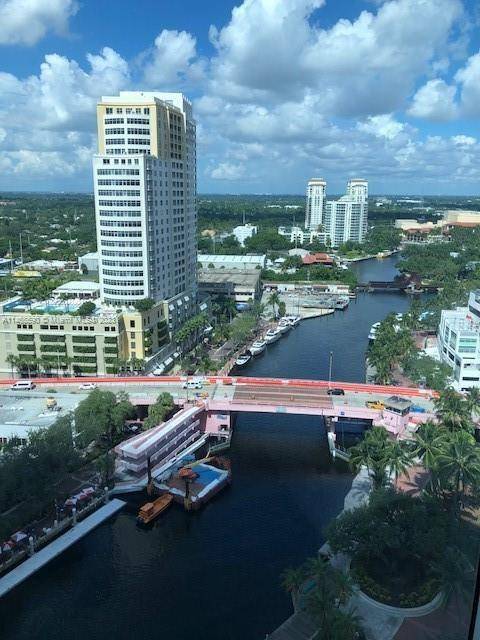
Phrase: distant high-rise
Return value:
(145, 200)
(315, 210)
(346, 218)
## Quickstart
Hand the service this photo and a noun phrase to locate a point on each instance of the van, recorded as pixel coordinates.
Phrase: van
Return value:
(192, 384)
(25, 385)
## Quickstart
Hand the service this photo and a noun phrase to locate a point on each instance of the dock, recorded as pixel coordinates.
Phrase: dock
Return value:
(55, 548)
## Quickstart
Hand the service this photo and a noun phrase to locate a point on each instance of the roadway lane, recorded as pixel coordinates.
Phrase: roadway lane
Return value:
(282, 395)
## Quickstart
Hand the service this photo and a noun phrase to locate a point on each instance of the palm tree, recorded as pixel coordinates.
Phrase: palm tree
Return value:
(399, 459)
(13, 361)
(292, 581)
(473, 401)
(274, 301)
(428, 442)
(453, 411)
(459, 465)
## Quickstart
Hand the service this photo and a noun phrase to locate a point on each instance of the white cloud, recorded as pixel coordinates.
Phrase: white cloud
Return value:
(434, 101)
(383, 126)
(172, 59)
(228, 171)
(469, 80)
(270, 52)
(27, 21)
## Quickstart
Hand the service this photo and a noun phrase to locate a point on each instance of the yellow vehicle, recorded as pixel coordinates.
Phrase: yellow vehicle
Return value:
(375, 404)
(51, 403)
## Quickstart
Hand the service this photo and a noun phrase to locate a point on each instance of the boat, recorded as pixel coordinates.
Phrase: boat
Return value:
(293, 320)
(341, 303)
(373, 331)
(272, 335)
(243, 359)
(152, 510)
(257, 347)
(284, 326)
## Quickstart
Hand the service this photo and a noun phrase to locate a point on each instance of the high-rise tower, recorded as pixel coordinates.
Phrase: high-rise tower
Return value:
(145, 200)
(315, 209)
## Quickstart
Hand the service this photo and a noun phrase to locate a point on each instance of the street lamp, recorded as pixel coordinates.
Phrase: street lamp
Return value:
(330, 364)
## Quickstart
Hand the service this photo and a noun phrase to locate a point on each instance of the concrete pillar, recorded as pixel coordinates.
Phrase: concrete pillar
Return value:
(55, 524)
(31, 548)
(74, 516)
(106, 497)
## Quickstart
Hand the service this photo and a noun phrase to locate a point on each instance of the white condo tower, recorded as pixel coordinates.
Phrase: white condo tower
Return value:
(145, 199)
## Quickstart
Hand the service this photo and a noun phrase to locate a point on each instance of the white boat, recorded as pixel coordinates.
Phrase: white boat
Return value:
(257, 347)
(272, 335)
(341, 303)
(373, 331)
(284, 326)
(242, 359)
(293, 320)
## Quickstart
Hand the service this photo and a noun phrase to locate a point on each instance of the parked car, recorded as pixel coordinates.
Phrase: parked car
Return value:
(88, 386)
(23, 385)
(192, 384)
(335, 392)
(415, 408)
(375, 404)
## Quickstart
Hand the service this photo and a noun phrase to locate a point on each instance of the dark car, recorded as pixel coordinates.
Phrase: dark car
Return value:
(336, 392)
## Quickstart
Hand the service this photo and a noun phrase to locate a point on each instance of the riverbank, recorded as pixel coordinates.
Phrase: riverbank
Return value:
(232, 553)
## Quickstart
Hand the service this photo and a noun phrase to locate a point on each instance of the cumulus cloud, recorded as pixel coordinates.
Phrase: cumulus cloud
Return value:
(434, 101)
(173, 59)
(27, 21)
(282, 97)
(228, 171)
(362, 67)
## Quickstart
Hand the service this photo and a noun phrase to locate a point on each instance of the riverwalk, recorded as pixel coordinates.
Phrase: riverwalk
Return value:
(55, 548)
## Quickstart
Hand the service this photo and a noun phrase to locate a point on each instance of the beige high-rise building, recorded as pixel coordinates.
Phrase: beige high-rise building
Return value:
(145, 201)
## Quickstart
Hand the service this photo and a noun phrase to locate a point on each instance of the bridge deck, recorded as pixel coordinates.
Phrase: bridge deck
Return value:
(293, 396)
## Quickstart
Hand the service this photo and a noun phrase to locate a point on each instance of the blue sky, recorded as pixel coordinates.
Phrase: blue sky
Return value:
(283, 90)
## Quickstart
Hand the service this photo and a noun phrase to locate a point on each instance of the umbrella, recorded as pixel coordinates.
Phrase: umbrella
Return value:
(71, 502)
(6, 547)
(88, 491)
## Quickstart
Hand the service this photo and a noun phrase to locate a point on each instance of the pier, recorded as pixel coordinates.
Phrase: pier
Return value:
(55, 548)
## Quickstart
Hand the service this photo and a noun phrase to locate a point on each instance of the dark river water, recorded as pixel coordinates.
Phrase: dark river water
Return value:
(215, 575)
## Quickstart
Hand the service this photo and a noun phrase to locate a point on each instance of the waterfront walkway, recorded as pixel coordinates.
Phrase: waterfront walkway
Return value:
(55, 548)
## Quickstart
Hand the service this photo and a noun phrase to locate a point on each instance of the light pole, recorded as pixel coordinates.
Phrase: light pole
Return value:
(330, 364)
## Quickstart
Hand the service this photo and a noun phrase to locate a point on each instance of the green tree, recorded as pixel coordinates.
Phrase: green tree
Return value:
(157, 412)
(274, 301)
(95, 417)
(86, 309)
(292, 581)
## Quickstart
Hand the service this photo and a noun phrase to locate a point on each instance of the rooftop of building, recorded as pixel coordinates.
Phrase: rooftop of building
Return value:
(92, 255)
(232, 259)
(54, 306)
(217, 276)
(85, 286)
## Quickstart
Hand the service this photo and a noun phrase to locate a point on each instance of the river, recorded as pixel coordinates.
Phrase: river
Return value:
(215, 575)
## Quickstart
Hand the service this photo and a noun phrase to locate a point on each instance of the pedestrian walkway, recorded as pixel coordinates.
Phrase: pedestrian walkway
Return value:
(55, 548)
(298, 627)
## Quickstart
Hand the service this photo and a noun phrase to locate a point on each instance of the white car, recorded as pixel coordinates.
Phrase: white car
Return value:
(88, 386)
(192, 384)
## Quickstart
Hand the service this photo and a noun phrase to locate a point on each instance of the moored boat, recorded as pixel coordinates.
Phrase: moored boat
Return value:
(243, 359)
(293, 320)
(284, 326)
(152, 510)
(272, 335)
(257, 347)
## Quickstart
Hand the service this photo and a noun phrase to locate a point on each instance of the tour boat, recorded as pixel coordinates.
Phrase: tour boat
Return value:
(243, 359)
(257, 347)
(272, 335)
(152, 510)
(284, 326)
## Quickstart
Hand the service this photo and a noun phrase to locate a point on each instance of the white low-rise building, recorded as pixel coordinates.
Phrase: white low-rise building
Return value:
(211, 261)
(243, 232)
(459, 342)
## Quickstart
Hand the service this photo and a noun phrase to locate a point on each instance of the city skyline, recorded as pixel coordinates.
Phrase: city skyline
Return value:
(274, 106)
